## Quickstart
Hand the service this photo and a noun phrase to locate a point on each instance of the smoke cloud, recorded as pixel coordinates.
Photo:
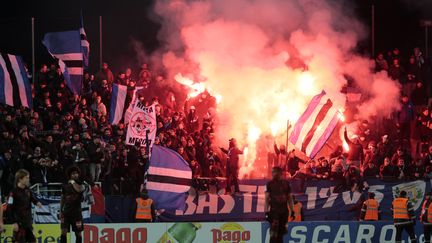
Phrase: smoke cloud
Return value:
(267, 58)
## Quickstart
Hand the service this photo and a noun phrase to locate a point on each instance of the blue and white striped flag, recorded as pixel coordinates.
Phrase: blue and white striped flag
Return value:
(169, 177)
(66, 46)
(316, 124)
(118, 99)
(85, 45)
(15, 88)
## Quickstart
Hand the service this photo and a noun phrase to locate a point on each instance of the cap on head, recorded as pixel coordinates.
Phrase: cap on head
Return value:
(192, 107)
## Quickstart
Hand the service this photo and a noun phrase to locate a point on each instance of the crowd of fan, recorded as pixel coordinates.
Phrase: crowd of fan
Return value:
(64, 129)
(401, 149)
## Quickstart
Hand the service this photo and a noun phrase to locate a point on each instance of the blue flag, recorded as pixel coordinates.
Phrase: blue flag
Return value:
(66, 46)
(15, 88)
(169, 177)
(85, 45)
(118, 98)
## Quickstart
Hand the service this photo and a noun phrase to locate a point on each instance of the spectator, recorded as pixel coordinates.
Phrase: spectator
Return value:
(404, 118)
(388, 170)
(80, 159)
(293, 163)
(98, 108)
(281, 159)
(417, 171)
(324, 170)
(94, 150)
(381, 63)
(371, 155)
(385, 148)
(144, 75)
(371, 171)
(121, 79)
(105, 74)
(418, 55)
(401, 154)
(427, 161)
(412, 76)
(311, 170)
(396, 72)
(196, 169)
(355, 155)
(192, 120)
(419, 97)
(403, 169)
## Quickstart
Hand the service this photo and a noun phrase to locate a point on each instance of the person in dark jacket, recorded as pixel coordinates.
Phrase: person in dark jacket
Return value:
(19, 208)
(388, 170)
(70, 205)
(355, 154)
(404, 118)
(232, 166)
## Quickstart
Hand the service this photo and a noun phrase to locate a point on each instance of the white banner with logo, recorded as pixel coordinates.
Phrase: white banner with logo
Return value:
(142, 125)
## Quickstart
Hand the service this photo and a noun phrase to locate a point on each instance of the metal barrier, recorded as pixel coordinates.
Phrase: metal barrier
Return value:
(54, 189)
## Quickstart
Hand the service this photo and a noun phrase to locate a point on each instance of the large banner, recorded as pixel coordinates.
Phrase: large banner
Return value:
(44, 233)
(342, 231)
(245, 232)
(319, 198)
(142, 125)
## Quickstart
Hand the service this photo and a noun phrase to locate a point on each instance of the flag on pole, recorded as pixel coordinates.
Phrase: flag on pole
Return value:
(66, 46)
(118, 99)
(15, 88)
(315, 126)
(169, 177)
(85, 45)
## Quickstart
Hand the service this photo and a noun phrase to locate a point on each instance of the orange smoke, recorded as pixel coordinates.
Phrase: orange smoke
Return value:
(264, 60)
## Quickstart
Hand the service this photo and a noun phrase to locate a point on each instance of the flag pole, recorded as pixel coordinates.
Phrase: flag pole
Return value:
(287, 135)
(33, 49)
(100, 42)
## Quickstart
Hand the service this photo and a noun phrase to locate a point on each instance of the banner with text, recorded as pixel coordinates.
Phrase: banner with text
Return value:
(142, 125)
(173, 232)
(342, 231)
(319, 198)
(244, 232)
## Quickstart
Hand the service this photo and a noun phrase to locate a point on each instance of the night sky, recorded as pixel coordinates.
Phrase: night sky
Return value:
(397, 25)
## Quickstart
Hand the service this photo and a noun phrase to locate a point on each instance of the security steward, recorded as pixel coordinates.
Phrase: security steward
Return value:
(426, 217)
(404, 218)
(144, 208)
(370, 210)
(298, 212)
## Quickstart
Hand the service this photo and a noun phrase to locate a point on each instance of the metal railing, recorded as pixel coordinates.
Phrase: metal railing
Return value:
(54, 188)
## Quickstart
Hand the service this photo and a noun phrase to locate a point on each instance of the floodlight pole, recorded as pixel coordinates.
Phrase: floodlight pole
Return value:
(33, 49)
